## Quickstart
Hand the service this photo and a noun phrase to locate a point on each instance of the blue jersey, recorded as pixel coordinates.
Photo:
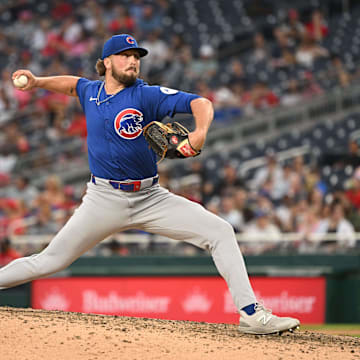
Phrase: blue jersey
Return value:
(117, 149)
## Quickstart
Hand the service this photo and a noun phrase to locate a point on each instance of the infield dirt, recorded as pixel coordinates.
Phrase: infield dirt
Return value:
(28, 334)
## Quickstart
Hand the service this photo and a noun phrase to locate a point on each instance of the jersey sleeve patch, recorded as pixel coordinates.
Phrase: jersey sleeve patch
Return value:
(168, 91)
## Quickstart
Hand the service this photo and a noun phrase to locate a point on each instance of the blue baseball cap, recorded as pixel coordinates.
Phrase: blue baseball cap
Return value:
(119, 43)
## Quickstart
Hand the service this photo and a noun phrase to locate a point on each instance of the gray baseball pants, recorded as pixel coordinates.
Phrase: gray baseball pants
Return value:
(105, 211)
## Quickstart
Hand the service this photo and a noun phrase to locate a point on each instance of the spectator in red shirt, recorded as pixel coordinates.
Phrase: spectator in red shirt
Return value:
(61, 10)
(77, 126)
(353, 193)
(55, 43)
(70, 201)
(263, 97)
(317, 27)
(122, 21)
(7, 253)
(12, 216)
(15, 138)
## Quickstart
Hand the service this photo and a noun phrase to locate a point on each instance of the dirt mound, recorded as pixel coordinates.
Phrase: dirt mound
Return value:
(35, 334)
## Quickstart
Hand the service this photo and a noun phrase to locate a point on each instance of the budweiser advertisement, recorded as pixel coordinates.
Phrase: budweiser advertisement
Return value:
(178, 298)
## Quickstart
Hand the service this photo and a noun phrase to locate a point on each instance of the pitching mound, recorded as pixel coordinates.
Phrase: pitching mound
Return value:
(35, 334)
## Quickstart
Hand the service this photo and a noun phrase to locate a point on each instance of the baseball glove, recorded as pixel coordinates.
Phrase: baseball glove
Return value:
(169, 141)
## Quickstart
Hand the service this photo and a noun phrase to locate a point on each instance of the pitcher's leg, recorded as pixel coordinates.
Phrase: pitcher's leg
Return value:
(87, 226)
(181, 219)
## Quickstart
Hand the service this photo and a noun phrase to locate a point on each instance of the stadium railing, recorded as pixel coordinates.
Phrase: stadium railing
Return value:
(146, 239)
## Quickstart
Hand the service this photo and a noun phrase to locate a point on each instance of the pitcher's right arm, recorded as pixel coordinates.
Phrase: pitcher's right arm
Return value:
(64, 84)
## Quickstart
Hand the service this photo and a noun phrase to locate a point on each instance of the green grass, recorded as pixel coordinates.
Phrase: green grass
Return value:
(340, 329)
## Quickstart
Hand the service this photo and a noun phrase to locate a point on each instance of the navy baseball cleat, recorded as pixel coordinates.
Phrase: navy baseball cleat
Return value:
(263, 322)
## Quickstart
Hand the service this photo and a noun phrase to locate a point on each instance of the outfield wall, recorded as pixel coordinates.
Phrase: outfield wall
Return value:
(313, 288)
(196, 298)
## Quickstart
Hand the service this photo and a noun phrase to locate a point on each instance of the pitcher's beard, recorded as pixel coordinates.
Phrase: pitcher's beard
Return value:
(126, 80)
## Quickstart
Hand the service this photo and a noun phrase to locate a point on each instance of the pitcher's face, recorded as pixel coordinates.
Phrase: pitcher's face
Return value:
(125, 67)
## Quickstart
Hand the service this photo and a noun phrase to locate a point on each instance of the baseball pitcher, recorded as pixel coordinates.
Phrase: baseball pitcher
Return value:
(123, 117)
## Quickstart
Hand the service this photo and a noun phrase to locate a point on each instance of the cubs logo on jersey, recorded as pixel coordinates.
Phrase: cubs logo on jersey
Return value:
(128, 123)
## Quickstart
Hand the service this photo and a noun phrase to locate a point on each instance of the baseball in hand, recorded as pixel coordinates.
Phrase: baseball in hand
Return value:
(20, 81)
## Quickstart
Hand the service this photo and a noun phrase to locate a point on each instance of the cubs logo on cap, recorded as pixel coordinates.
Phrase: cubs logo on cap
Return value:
(118, 43)
(130, 40)
(128, 123)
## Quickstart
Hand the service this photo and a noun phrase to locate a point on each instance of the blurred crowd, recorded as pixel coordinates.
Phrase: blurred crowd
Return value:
(280, 197)
(241, 83)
